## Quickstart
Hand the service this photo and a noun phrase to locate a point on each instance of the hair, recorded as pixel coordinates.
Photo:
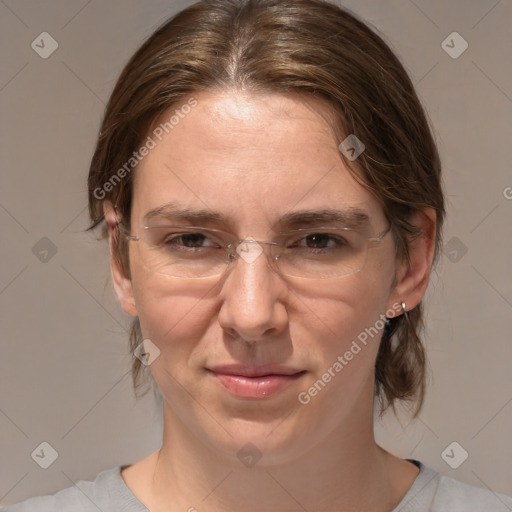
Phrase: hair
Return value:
(320, 51)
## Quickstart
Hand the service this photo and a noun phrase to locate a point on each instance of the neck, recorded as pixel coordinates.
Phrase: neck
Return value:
(346, 471)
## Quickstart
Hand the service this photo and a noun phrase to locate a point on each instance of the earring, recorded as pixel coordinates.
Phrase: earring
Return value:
(404, 308)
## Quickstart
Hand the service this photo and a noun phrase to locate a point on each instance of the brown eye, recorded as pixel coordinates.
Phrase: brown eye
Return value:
(321, 241)
(179, 241)
(317, 240)
(189, 240)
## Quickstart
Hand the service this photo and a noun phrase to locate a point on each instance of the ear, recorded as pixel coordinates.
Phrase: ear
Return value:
(412, 277)
(122, 283)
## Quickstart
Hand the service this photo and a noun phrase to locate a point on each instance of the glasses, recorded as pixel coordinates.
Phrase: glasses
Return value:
(189, 252)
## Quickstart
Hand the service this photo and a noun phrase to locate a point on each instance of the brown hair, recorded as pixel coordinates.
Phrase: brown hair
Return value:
(310, 47)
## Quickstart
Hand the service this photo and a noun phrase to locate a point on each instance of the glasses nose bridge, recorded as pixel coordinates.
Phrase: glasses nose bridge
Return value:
(252, 250)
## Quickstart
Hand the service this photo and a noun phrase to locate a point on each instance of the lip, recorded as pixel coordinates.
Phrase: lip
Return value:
(255, 382)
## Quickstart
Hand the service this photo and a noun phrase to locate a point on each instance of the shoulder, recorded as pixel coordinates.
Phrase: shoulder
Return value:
(434, 492)
(455, 495)
(107, 492)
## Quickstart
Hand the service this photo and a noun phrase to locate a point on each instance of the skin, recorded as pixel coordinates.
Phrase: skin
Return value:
(254, 158)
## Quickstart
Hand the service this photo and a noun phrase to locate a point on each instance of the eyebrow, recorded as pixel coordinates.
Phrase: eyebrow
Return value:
(174, 211)
(350, 217)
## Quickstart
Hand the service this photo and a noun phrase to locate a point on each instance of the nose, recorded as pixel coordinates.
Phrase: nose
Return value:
(253, 296)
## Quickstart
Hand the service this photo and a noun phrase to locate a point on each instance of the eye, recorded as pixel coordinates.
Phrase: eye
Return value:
(188, 240)
(322, 241)
(319, 241)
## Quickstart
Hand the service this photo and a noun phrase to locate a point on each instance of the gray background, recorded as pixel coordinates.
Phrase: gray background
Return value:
(64, 362)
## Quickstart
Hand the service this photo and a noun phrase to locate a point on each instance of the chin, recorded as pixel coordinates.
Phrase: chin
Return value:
(266, 444)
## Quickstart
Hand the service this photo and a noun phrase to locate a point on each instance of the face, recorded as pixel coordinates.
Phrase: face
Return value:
(252, 160)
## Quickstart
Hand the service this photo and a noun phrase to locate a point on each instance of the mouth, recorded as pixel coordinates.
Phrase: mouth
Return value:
(255, 383)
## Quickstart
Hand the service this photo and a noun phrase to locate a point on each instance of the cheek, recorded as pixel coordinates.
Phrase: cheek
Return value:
(169, 310)
(170, 316)
(338, 313)
(176, 323)
(342, 332)
(341, 336)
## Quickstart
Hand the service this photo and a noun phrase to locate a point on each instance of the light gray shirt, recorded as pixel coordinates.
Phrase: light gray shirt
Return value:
(430, 492)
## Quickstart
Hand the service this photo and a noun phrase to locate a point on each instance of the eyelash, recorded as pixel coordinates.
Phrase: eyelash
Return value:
(170, 240)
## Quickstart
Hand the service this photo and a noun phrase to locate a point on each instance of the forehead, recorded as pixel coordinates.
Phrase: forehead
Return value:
(252, 158)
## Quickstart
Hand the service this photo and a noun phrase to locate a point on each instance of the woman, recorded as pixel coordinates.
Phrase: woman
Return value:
(273, 202)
